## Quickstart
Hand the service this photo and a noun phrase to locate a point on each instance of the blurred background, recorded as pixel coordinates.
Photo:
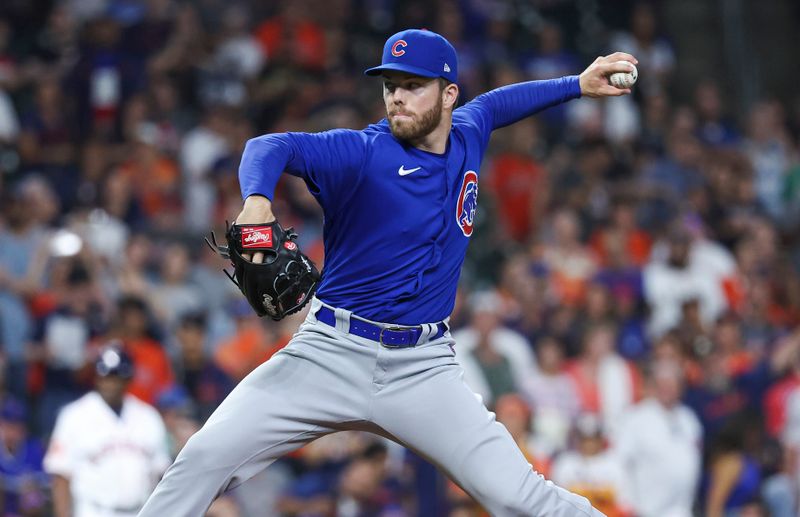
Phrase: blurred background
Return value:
(630, 304)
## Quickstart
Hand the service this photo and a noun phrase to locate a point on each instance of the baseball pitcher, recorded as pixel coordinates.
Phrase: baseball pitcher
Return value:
(375, 352)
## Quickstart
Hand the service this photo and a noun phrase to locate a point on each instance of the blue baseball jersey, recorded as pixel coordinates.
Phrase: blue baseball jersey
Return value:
(397, 220)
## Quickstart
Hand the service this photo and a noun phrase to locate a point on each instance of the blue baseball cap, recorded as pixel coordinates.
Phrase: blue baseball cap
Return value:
(419, 52)
(113, 360)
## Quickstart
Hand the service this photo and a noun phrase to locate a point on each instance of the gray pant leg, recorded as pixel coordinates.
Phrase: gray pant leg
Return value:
(305, 391)
(425, 404)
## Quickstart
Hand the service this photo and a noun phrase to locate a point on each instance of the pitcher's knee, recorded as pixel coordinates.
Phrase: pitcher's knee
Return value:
(203, 451)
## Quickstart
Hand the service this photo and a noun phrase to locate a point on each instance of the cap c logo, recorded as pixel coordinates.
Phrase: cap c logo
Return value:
(397, 51)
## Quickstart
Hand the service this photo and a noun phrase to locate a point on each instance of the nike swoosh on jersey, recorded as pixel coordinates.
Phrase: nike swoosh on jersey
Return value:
(405, 172)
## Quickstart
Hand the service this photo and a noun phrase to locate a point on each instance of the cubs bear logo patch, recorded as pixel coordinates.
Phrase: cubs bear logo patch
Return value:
(467, 203)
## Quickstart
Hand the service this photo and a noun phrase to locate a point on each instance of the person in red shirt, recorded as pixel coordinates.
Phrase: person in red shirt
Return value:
(624, 233)
(152, 366)
(518, 183)
(249, 346)
(292, 37)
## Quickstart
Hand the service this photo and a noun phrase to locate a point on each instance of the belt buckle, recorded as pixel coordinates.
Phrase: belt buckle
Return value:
(393, 329)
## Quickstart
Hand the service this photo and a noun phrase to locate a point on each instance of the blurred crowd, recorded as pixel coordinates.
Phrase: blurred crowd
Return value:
(630, 304)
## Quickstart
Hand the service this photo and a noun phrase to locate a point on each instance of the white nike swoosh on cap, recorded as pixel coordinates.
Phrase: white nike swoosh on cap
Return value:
(404, 172)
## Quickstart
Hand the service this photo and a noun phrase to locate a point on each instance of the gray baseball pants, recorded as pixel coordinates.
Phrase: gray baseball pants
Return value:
(327, 380)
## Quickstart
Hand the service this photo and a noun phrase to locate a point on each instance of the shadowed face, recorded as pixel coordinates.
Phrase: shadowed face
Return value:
(667, 383)
(413, 104)
(112, 389)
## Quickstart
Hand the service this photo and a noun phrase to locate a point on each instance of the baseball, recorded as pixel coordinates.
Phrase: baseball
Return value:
(622, 80)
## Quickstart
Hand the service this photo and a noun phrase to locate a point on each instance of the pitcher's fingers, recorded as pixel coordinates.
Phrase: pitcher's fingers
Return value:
(622, 56)
(623, 67)
(258, 257)
(616, 92)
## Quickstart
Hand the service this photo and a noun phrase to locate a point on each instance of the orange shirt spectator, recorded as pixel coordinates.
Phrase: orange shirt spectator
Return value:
(622, 239)
(152, 369)
(293, 38)
(571, 263)
(636, 245)
(517, 182)
(155, 179)
(247, 348)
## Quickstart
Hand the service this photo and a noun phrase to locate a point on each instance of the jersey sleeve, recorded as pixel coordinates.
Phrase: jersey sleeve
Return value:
(508, 104)
(324, 160)
(59, 458)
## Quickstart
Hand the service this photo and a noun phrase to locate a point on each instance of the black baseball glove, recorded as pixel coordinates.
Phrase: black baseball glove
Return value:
(283, 283)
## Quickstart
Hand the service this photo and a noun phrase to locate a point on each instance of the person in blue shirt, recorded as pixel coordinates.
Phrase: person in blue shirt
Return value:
(375, 352)
(22, 478)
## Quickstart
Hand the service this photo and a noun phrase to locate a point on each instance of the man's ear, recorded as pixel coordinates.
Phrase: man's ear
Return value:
(450, 96)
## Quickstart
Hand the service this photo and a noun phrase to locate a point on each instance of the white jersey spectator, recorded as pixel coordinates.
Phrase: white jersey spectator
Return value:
(659, 443)
(202, 147)
(682, 271)
(108, 449)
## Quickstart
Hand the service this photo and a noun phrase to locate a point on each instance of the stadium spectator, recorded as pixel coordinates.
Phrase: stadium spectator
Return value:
(644, 40)
(24, 482)
(767, 145)
(62, 342)
(249, 345)
(734, 474)
(518, 183)
(27, 210)
(714, 127)
(553, 396)
(606, 383)
(174, 295)
(593, 470)
(154, 177)
(204, 381)
(152, 372)
(366, 489)
(496, 360)
(515, 414)
(685, 270)
(108, 448)
(570, 264)
(733, 381)
(202, 147)
(659, 442)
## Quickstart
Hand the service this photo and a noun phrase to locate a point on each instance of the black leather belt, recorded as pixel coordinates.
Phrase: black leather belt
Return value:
(390, 337)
